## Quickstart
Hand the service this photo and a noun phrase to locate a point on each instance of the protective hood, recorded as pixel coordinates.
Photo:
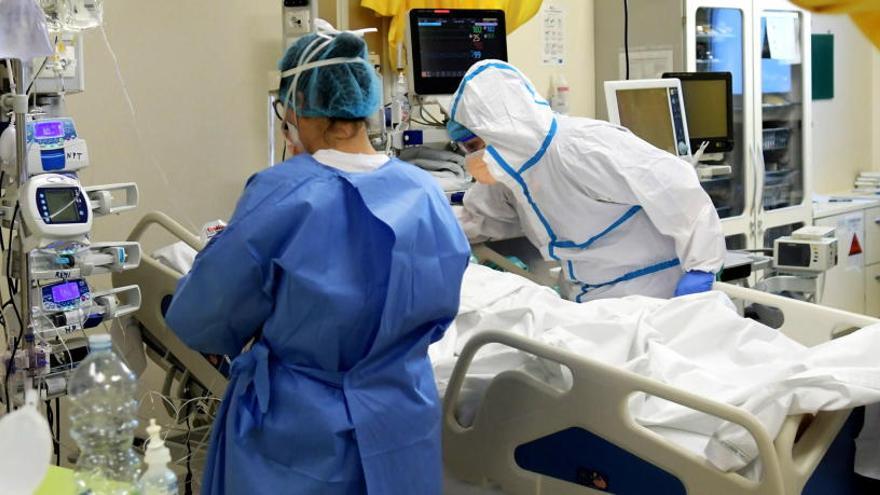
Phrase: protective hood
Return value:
(499, 104)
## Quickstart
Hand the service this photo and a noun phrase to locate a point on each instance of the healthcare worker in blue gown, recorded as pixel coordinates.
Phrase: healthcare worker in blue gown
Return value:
(346, 266)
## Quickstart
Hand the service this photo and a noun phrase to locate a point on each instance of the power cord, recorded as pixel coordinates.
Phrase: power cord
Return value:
(12, 292)
(626, 35)
(187, 481)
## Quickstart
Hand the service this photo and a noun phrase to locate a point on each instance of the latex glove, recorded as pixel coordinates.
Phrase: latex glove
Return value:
(694, 282)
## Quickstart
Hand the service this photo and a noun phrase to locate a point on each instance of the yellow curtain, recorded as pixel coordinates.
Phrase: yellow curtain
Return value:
(516, 12)
(865, 13)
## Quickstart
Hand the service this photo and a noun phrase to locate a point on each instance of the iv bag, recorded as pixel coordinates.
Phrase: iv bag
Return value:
(87, 14)
(73, 15)
(58, 13)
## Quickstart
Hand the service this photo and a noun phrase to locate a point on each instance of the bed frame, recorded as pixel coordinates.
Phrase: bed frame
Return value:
(518, 408)
(158, 283)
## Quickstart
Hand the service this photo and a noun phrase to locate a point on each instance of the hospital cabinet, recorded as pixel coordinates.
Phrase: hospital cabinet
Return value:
(764, 45)
(854, 284)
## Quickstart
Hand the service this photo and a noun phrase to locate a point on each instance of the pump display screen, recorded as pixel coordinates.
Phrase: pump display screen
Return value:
(794, 254)
(446, 43)
(48, 130)
(65, 292)
(61, 205)
(645, 112)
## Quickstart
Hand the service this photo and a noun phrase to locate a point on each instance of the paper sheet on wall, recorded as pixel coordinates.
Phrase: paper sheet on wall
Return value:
(850, 240)
(553, 35)
(783, 36)
(646, 63)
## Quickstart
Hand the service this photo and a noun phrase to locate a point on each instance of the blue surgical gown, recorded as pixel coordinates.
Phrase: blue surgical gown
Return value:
(347, 279)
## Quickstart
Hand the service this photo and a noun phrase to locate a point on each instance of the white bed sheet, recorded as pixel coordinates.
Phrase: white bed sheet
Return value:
(698, 342)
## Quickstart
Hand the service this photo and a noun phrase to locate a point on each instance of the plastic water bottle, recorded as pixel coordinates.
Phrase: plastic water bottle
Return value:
(158, 478)
(103, 417)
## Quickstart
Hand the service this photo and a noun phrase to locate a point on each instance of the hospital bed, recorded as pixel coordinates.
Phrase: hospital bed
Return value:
(529, 437)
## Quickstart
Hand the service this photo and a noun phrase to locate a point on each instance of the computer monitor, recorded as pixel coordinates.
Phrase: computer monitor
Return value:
(708, 101)
(653, 110)
(442, 44)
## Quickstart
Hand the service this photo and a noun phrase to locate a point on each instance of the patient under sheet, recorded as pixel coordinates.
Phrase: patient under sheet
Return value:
(698, 343)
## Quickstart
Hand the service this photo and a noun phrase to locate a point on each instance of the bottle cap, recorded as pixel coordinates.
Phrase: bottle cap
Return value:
(157, 452)
(100, 342)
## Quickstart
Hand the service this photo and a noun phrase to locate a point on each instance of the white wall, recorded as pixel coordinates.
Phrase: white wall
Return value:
(845, 133)
(524, 49)
(875, 133)
(197, 78)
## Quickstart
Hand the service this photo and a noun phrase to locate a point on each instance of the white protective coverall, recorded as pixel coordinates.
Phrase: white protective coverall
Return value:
(621, 216)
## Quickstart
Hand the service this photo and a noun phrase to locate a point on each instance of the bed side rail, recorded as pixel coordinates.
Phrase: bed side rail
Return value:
(482, 450)
(159, 282)
(169, 224)
(807, 323)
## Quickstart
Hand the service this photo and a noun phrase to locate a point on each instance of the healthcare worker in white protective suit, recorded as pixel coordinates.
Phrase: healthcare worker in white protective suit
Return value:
(621, 216)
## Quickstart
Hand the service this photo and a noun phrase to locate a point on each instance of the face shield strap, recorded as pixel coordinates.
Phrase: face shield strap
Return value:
(326, 33)
(298, 70)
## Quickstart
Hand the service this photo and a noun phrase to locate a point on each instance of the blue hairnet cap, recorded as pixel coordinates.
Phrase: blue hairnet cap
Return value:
(343, 91)
(459, 132)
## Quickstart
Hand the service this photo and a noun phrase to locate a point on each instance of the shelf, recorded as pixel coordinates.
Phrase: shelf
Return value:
(722, 180)
(716, 36)
(778, 174)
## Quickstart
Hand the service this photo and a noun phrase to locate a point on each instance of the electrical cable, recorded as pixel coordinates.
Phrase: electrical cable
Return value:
(36, 76)
(428, 116)
(626, 35)
(12, 292)
(40, 70)
(50, 418)
(58, 430)
(9, 250)
(2, 186)
(422, 122)
(187, 483)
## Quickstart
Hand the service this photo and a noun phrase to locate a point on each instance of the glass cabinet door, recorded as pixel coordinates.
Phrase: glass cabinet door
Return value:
(781, 138)
(721, 47)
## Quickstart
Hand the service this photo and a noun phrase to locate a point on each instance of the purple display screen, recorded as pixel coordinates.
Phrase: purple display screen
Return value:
(44, 130)
(65, 292)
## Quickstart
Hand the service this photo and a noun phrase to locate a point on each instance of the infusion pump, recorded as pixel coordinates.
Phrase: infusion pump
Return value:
(55, 206)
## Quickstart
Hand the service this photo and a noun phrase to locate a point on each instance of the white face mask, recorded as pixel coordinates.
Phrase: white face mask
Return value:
(291, 135)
